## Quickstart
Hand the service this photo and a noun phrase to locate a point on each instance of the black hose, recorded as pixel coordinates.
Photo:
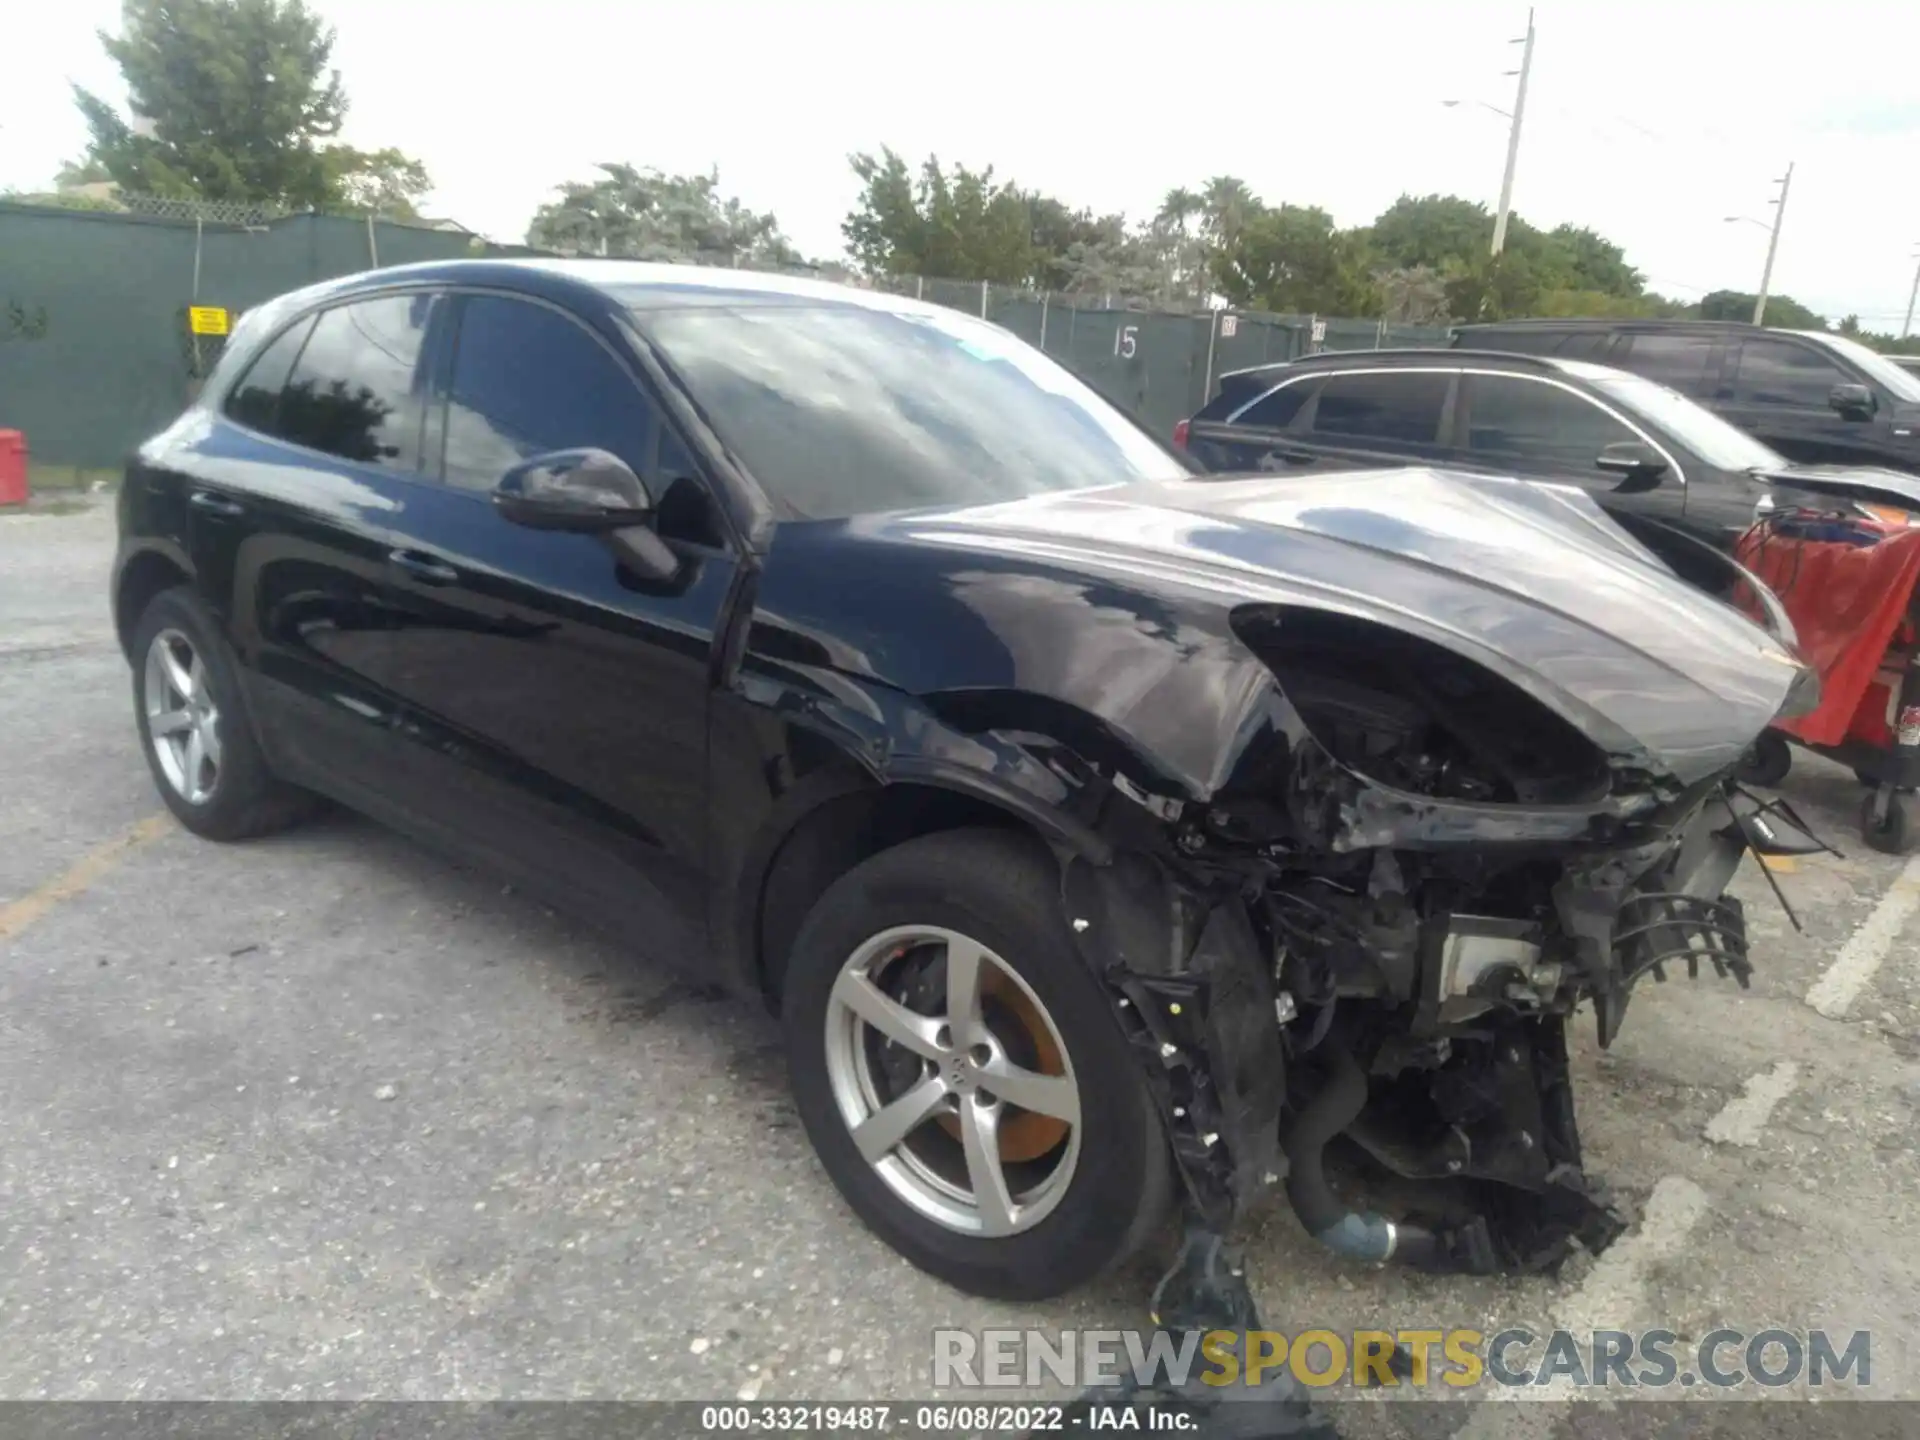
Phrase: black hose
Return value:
(1347, 1232)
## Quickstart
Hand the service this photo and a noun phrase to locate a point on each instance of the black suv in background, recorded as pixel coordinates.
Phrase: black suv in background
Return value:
(1817, 398)
(1651, 457)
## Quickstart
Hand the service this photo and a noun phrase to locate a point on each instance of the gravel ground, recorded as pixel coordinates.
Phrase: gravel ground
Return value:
(326, 1117)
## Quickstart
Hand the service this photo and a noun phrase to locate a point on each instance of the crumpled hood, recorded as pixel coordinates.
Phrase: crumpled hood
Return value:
(1531, 580)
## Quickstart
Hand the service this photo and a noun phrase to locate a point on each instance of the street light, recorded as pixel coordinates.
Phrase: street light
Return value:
(1785, 182)
(1513, 118)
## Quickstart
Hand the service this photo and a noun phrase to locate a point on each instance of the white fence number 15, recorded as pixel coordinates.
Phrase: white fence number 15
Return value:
(1126, 341)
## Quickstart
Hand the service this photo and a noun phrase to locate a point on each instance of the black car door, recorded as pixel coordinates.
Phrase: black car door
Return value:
(1781, 390)
(1545, 429)
(555, 702)
(290, 488)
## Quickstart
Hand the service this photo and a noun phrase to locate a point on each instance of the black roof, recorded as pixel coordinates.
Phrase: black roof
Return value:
(1599, 323)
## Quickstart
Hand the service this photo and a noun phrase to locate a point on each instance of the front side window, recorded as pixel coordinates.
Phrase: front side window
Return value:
(843, 409)
(528, 380)
(358, 390)
(1781, 372)
(1517, 419)
(1401, 410)
(1889, 372)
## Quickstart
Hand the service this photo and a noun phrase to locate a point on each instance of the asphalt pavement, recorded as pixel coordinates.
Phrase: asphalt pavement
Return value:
(325, 1116)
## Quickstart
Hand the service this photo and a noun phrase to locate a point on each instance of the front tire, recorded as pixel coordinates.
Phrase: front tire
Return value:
(194, 730)
(961, 1073)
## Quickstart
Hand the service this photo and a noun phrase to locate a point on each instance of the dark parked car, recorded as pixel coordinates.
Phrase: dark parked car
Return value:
(1084, 817)
(1656, 461)
(1816, 397)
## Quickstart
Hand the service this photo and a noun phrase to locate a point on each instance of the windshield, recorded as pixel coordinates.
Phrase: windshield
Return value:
(1699, 429)
(1900, 383)
(843, 410)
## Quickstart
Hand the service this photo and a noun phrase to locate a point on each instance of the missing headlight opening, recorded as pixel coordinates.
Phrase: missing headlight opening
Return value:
(1377, 933)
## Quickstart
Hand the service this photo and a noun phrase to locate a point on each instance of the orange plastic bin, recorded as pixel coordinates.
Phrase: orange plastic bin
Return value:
(13, 468)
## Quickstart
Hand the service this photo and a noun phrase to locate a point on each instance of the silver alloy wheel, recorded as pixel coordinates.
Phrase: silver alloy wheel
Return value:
(183, 724)
(967, 1082)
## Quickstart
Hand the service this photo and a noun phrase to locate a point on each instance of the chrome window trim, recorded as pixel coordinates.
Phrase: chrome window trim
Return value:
(1679, 472)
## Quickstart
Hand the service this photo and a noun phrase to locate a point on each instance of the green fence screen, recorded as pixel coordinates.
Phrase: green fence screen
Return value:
(96, 353)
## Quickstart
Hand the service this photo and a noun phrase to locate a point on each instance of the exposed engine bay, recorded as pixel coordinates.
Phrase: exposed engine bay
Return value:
(1383, 932)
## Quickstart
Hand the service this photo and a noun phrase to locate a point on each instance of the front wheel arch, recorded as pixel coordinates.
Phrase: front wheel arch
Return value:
(836, 835)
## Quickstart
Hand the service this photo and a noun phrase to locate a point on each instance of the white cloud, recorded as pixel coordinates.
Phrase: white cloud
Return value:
(1648, 122)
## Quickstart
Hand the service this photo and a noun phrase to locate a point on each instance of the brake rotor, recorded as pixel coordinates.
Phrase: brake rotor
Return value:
(1016, 1022)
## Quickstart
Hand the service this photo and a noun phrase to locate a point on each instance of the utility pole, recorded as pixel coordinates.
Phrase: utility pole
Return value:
(1906, 329)
(1773, 244)
(1513, 139)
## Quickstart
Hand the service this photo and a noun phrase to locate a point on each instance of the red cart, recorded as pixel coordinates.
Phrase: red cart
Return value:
(1848, 584)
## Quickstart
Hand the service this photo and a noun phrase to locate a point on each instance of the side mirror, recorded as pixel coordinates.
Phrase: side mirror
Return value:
(1854, 402)
(590, 491)
(1638, 466)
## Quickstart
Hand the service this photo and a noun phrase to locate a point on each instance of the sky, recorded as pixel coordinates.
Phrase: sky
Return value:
(1651, 123)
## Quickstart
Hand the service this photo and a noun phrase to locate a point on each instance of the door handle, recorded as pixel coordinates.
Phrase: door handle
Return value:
(215, 504)
(423, 568)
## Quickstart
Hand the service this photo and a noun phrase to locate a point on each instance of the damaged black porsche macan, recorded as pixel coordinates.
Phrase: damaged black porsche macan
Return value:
(1109, 836)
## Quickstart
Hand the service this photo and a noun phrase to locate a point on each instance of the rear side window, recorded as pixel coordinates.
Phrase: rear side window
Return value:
(527, 380)
(255, 401)
(1779, 372)
(1511, 418)
(1680, 362)
(1276, 411)
(357, 390)
(1398, 410)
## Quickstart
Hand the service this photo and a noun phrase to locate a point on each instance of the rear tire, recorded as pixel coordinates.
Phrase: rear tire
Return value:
(194, 729)
(1059, 1213)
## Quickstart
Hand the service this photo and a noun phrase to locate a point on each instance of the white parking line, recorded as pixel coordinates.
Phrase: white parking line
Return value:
(1742, 1119)
(1612, 1296)
(1866, 949)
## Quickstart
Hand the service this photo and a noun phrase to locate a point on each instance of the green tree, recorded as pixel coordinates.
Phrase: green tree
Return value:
(238, 95)
(1593, 263)
(1433, 231)
(1292, 259)
(234, 100)
(1783, 311)
(957, 224)
(375, 182)
(649, 215)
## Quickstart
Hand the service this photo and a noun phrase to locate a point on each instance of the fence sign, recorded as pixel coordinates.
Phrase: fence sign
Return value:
(1319, 331)
(207, 319)
(1229, 326)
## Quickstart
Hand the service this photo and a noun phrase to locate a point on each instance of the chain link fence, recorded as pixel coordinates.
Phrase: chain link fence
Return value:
(97, 350)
